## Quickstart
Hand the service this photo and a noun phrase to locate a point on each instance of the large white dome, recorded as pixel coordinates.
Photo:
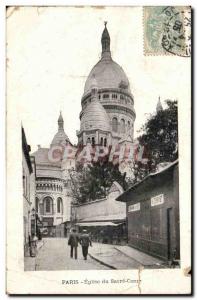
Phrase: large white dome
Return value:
(108, 75)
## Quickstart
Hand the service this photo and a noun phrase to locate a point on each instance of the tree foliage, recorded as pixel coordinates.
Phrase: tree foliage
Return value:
(160, 135)
(94, 181)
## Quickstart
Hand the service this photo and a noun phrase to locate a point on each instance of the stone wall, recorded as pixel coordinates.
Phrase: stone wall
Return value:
(104, 209)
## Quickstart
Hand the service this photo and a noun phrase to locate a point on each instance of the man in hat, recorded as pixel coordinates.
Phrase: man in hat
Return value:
(85, 242)
(73, 242)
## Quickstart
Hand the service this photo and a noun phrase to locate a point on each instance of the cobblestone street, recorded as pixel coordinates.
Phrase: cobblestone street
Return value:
(55, 255)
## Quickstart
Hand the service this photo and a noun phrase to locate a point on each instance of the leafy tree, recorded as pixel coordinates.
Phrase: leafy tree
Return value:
(94, 181)
(160, 136)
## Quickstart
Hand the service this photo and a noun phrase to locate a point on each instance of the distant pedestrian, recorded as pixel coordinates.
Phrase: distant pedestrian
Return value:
(85, 242)
(73, 242)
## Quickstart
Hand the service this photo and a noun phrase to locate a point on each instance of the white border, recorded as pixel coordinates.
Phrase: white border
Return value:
(3, 90)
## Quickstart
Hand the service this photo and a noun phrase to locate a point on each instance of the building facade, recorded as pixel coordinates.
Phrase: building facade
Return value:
(29, 191)
(153, 214)
(53, 202)
(107, 116)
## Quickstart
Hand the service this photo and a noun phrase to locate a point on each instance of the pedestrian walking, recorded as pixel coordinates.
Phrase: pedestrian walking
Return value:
(85, 242)
(73, 243)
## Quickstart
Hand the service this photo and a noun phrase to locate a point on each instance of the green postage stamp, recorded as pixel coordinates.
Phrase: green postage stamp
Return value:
(167, 30)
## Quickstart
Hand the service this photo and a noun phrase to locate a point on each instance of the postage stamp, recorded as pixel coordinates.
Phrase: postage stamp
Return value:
(167, 30)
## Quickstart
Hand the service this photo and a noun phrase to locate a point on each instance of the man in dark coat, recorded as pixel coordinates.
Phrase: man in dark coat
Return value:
(73, 243)
(85, 242)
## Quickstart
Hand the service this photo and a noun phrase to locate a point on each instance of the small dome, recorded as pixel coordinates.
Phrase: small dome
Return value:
(108, 75)
(59, 138)
(95, 117)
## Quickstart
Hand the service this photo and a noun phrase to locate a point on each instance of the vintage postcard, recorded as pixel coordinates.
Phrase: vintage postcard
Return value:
(98, 150)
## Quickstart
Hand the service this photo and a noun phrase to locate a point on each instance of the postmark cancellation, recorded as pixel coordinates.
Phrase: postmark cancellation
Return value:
(167, 30)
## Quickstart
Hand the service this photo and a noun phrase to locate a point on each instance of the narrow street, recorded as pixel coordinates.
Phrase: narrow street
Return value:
(55, 255)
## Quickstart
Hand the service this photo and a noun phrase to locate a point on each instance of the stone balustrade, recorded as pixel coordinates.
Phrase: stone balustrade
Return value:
(44, 184)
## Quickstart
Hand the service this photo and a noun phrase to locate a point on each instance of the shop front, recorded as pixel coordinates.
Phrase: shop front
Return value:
(104, 219)
(107, 232)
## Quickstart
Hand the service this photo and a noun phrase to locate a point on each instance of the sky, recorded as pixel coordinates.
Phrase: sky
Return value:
(51, 51)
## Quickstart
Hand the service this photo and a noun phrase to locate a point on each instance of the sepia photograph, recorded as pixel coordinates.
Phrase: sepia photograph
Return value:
(98, 108)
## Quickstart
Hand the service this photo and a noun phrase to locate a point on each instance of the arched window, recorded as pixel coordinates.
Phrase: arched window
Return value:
(37, 205)
(129, 126)
(105, 96)
(88, 140)
(105, 142)
(122, 126)
(93, 141)
(101, 142)
(48, 205)
(114, 96)
(115, 124)
(59, 205)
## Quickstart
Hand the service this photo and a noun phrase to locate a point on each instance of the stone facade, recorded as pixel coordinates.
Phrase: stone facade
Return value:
(113, 93)
(51, 200)
(106, 209)
(53, 203)
(29, 171)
